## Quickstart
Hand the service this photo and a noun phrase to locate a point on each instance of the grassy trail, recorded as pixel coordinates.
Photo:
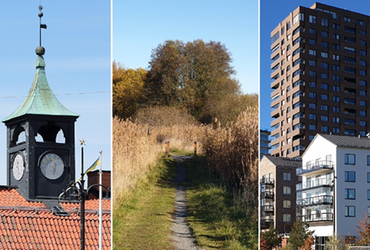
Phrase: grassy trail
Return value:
(143, 220)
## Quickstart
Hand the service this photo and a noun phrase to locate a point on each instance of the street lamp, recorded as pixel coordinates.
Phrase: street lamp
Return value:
(82, 194)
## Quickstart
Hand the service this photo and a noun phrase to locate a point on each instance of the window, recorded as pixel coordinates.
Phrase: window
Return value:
(363, 52)
(336, 57)
(349, 29)
(312, 73)
(363, 83)
(336, 98)
(368, 175)
(350, 159)
(287, 190)
(324, 97)
(348, 59)
(287, 176)
(324, 107)
(336, 26)
(349, 132)
(350, 49)
(324, 54)
(350, 70)
(275, 37)
(324, 86)
(336, 78)
(312, 95)
(363, 32)
(363, 123)
(310, 62)
(324, 65)
(363, 72)
(336, 47)
(312, 41)
(362, 113)
(350, 176)
(349, 39)
(336, 67)
(336, 36)
(350, 194)
(368, 160)
(336, 119)
(349, 211)
(324, 22)
(312, 52)
(312, 116)
(288, 26)
(336, 130)
(324, 75)
(312, 127)
(362, 92)
(363, 103)
(287, 217)
(312, 105)
(287, 204)
(312, 31)
(312, 19)
(324, 118)
(324, 34)
(336, 109)
(324, 129)
(312, 84)
(368, 194)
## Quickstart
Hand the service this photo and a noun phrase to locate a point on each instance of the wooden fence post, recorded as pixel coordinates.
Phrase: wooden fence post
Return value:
(167, 148)
(195, 148)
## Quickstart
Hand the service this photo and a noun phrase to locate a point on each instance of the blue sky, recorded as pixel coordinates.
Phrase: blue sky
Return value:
(78, 67)
(272, 13)
(140, 26)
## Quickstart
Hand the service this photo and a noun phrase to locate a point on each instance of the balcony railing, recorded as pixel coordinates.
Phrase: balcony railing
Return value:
(317, 200)
(316, 217)
(267, 181)
(314, 183)
(268, 194)
(267, 208)
(314, 166)
(265, 223)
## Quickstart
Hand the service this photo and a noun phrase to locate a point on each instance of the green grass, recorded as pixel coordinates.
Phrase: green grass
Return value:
(143, 220)
(216, 222)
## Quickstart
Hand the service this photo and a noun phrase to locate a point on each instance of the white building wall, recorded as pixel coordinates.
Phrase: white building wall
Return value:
(320, 149)
(346, 226)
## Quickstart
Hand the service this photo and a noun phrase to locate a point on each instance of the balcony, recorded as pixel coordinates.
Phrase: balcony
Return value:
(316, 217)
(317, 200)
(314, 183)
(267, 208)
(317, 167)
(265, 223)
(267, 194)
(267, 181)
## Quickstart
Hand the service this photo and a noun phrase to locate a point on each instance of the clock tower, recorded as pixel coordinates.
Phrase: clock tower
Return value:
(40, 140)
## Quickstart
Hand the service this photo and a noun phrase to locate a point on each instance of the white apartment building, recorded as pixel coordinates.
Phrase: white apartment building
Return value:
(335, 191)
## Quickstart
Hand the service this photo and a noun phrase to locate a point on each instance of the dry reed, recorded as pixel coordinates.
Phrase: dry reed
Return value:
(136, 148)
(232, 152)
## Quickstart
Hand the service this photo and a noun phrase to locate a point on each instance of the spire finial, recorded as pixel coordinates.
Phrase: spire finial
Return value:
(41, 50)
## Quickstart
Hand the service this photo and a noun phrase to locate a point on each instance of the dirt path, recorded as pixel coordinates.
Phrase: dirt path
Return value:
(181, 233)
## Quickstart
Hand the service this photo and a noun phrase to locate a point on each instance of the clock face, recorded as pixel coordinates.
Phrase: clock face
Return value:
(18, 167)
(52, 166)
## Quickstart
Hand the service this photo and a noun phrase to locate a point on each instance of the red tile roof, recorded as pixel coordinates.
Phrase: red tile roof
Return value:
(31, 225)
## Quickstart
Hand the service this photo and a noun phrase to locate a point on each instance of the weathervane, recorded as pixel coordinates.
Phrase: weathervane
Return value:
(41, 50)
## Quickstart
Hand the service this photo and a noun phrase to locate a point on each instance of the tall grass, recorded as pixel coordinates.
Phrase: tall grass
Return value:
(232, 152)
(136, 148)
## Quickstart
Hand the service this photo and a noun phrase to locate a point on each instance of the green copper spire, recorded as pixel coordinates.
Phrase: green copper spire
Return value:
(40, 100)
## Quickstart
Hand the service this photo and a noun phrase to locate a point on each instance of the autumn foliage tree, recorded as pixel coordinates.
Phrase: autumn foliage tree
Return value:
(197, 76)
(128, 90)
(363, 230)
(269, 239)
